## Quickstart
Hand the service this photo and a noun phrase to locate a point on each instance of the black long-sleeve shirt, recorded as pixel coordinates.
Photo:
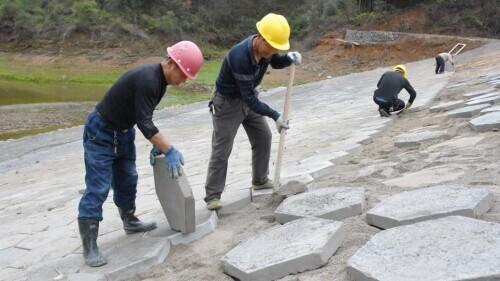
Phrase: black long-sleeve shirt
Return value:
(390, 84)
(240, 74)
(132, 99)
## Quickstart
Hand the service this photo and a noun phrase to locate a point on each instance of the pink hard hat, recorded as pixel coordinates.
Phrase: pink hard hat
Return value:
(187, 56)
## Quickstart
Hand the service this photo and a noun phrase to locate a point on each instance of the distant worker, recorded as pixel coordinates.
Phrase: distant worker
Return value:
(108, 142)
(388, 88)
(235, 102)
(441, 61)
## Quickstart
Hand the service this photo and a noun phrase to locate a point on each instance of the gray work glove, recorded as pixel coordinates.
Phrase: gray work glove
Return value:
(294, 57)
(280, 124)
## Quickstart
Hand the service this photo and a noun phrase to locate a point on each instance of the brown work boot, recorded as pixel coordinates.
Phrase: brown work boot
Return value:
(267, 184)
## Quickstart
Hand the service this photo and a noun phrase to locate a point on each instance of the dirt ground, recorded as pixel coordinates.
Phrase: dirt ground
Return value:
(475, 165)
(327, 59)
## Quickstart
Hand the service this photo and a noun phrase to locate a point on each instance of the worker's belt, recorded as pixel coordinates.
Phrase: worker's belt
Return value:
(108, 125)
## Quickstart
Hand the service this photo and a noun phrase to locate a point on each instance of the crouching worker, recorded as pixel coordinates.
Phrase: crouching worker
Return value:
(108, 141)
(388, 88)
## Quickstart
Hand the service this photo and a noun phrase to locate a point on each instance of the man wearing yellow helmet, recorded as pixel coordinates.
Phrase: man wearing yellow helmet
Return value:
(388, 88)
(235, 102)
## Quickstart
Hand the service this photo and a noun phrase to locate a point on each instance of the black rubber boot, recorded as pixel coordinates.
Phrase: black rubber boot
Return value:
(88, 231)
(131, 224)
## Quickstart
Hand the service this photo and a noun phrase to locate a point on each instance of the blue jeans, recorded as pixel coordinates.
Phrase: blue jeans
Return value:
(109, 162)
(389, 106)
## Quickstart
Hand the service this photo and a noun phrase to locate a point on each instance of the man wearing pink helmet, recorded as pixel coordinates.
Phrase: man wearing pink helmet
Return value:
(108, 142)
(235, 102)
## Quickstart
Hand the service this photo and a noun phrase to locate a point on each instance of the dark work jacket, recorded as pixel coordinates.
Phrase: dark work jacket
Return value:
(390, 84)
(132, 99)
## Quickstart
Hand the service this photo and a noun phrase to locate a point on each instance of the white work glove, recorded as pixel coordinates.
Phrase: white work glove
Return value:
(280, 124)
(295, 57)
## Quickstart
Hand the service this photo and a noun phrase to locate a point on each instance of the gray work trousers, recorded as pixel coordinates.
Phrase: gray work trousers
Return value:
(228, 113)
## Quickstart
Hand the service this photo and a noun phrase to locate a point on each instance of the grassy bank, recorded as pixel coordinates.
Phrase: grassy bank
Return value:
(88, 73)
(52, 82)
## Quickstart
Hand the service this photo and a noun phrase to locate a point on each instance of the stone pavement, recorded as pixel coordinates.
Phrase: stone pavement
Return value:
(42, 174)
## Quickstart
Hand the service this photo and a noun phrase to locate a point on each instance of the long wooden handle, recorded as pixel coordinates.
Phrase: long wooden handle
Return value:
(286, 112)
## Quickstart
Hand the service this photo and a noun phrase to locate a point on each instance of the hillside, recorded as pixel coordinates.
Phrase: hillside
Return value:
(65, 25)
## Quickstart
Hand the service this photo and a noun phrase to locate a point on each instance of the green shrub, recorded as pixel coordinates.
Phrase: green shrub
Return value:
(86, 15)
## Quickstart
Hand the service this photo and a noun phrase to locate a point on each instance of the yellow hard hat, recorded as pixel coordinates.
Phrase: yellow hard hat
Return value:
(401, 68)
(275, 30)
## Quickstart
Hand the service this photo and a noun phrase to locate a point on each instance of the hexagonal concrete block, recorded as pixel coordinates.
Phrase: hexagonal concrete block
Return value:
(478, 93)
(446, 106)
(335, 203)
(176, 198)
(486, 100)
(483, 96)
(491, 109)
(85, 277)
(486, 122)
(428, 176)
(452, 248)
(304, 168)
(285, 249)
(429, 203)
(467, 111)
(413, 139)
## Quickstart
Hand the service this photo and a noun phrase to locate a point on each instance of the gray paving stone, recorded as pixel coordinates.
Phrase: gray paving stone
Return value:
(427, 177)
(488, 100)
(324, 157)
(413, 139)
(478, 93)
(457, 143)
(285, 249)
(483, 96)
(467, 111)
(446, 106)
(486, 122)
(429, 203)
(494, 82)
(234, 201)
(335, 203)
(491, 109)
(176, 198)
(453, 248)
(85, 277)
(202, 230)
(304, 169)
(126, 256)
(456, 85)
